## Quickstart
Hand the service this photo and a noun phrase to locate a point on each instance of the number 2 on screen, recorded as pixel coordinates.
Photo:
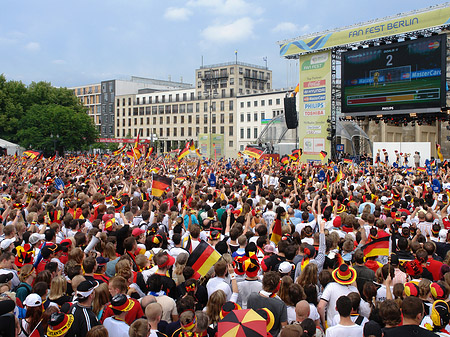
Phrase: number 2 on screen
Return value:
(389, 60)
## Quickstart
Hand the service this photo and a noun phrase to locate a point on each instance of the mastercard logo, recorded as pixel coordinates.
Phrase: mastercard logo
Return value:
(433, 45)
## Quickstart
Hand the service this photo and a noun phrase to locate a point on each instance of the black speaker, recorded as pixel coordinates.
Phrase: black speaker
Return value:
(290, 113)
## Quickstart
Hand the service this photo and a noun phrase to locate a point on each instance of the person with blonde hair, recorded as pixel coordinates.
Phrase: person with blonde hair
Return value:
(214, 306)
(139, 328)
(58, 291)
(98, 331)
(180, 263)
(154, 312)
(27, 275)
(100, 300)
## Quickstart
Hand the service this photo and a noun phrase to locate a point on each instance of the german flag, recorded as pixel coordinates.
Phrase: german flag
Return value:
(433, 163)
(338, 177)
(276, 232)
(119, 151)
(191, 145)
(197, 152)
(421, 169)
(202, 259)
(32, 154)
(199, 169)
(254, 152)
(284, 160)
(183, 153)
(439, 153)
(149, 152)
(130, 154)
(348, 161)
(239, 154)
(160, 184)
(377, 247)
(322, 155)
(297, 153)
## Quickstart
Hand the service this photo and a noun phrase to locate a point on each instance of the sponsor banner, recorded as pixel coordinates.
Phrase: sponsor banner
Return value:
(437, 16)
(121, 140)
(216, 142)
(315, 78)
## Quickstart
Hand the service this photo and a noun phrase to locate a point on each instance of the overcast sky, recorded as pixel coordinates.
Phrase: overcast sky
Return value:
(71, 43)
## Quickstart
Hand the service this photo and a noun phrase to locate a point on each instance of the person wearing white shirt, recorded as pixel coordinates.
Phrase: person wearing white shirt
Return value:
(346, 326)
(219, 282)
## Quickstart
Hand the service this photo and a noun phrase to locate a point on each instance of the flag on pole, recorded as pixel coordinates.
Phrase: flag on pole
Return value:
(32, 154)
(439, 153)
(202, 258)
(149, 153)
(119, 151)
(199, 169)
(322, 155)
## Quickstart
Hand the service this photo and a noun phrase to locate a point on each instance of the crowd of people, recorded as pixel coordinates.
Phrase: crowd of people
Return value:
(90, 246)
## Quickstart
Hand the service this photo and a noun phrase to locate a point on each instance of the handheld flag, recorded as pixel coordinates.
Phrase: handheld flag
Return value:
(149, 153)
(183, 153)
(284, 160)
(276, 232)
(202, 258)
(31, 154)
(160, 184)
(322, 155)
(254, 151)
(377, 247)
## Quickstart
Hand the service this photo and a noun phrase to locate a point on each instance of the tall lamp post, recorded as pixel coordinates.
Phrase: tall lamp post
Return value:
(55, 140)
(211, 80)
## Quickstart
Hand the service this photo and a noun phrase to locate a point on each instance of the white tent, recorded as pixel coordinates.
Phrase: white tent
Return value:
(11, 148)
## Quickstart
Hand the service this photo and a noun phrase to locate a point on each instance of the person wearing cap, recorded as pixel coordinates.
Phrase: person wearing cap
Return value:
(116, 325)
(7, 245)
(59, 324)
(251, 283)
(99, 274)
(344, 277)
(84, 317)
(33, 317)
(164, 262)
(48, 252)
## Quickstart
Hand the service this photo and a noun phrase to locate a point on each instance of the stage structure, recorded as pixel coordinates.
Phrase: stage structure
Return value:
(391, 69)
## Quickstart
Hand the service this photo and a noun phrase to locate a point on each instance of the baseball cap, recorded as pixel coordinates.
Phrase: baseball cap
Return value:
(384, 199)
(33, 300)
(443, 235)
(86, 288)
(285, 267)
(35, 237)
(269, 249)
(6, 277)
(102, 260)
(137, 232)
(166, 262)
(6, 243)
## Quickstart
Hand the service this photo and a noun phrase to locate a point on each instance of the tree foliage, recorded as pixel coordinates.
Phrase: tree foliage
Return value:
(30, 115)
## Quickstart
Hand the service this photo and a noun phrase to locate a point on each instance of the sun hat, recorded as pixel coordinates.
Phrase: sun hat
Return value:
(344, 274)
(137, 232)
(58, 324)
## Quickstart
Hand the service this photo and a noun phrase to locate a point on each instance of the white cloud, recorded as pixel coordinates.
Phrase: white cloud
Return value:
(228, 7)
(238, 30)
(59, 62)
(284, 27)
(177, 14)
(33, 46)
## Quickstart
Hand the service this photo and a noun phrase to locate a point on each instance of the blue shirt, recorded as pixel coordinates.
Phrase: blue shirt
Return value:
(186, 220)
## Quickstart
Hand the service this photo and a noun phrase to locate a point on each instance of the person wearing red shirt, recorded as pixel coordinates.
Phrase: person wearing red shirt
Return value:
(118, 285)
(433, 265)
(48, 252)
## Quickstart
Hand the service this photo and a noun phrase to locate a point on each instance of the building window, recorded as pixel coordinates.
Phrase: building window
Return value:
(230, 118)
(230, 143)
(263, 102)
(249, 133)
(213, 106)
(205, 129)
(160, 120)
(213, 129)
(249, 118)
(168, 132)
(182, 108)
(214, 118)
(255, 117)
(255, 103)
(242, 118)
(174, 132)
(270, 102)
(197, 107)
(205, 119)
(230, 106)
(242, 133)
(182, 119)
(189, 119)
(222, 106)
(278, 101)
(161, 132)
(170, 98)
(222, 118)
(263, 115)
(197, 131)
(230, 130)
(154, 120)
(175, 108)
(248, 104)
(167, 109)
(189, 131)
(174, 119)
(205, 107)
(184, 97)
(190, 108)
(182, 132)
(167, 120)
(255, 133)
(242, 104)
(197, 119)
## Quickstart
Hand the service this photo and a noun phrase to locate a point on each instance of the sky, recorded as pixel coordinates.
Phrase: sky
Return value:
(71, 43)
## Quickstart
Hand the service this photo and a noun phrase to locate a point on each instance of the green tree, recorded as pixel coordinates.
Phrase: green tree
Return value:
(12, 107)
(75, 128)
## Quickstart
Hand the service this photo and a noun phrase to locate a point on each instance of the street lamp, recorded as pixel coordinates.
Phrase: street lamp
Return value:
(211, 80)
(55, 139)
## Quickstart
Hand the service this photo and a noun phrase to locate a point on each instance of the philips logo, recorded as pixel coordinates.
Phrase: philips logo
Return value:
(384, 108)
